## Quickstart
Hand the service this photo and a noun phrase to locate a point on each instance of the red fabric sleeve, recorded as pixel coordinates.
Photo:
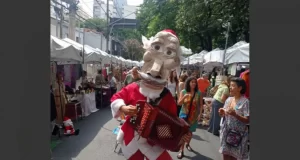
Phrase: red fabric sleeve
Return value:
(122, 94)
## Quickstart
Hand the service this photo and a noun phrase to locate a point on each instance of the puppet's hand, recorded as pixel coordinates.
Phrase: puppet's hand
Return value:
(129, 110)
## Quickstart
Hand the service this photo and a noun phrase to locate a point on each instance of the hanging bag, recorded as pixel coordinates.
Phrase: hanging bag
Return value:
(188, 115)
(233, 138)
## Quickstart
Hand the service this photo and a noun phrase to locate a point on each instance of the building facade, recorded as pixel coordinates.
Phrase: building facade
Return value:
(100, 7)
(91, 38)
(130, 11)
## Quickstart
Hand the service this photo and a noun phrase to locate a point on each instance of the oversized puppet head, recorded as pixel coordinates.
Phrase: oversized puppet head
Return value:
(162, 55)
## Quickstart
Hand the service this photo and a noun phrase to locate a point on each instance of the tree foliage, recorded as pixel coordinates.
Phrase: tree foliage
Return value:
(200, 24)
(98, 24)
(133, 49)
(127, 33)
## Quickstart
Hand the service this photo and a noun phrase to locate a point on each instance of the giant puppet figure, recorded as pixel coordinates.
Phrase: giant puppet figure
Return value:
(162, 55)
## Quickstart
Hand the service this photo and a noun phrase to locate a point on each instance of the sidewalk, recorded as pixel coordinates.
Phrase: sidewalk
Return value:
(96, 141)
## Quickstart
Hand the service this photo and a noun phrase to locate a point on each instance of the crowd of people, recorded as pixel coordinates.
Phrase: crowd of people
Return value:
(230, 105)
(229, 117)
(182, 96)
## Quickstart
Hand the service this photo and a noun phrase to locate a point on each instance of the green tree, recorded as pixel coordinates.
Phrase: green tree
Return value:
(98, 24)
(200, 24)
(155, 16)
(126, 33)
(133, 49)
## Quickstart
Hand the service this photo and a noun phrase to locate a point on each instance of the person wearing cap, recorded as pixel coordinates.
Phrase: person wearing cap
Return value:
(203, 83)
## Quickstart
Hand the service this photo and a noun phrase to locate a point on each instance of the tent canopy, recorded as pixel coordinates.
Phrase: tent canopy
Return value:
(215, 55)
(213, 59)
(239, 54)
(64, 52)
(67, 51)
(197, 58)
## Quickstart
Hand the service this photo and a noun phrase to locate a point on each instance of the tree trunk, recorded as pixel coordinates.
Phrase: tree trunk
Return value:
(233, 37)
(247, 36)
(209, 42)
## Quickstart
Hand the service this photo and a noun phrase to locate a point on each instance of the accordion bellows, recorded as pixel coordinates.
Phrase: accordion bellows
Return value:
(159, 127)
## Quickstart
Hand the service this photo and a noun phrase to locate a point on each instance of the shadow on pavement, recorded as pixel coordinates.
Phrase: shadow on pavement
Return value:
(197, 137)
(197, 157)
(202, 127)
(72, 146)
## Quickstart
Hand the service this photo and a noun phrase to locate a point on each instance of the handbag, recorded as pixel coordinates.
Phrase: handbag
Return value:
(233, 138)
(188, 115)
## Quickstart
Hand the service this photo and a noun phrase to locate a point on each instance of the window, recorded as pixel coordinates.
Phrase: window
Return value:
(78, 39)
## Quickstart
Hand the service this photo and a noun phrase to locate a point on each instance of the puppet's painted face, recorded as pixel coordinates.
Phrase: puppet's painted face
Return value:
(161, 56)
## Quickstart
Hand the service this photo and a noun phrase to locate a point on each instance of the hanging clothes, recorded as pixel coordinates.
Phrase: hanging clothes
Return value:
(73, 79)
(77, 71)
(60, 101)
(67, 75)
(104, 73)
(52, 106)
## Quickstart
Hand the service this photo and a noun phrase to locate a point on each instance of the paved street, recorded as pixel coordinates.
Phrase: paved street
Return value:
(96, 141)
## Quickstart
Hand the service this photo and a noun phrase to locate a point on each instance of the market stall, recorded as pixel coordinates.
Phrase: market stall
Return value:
(89, 103)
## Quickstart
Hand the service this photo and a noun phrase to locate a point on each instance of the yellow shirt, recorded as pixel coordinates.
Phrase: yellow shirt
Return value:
(222, 90)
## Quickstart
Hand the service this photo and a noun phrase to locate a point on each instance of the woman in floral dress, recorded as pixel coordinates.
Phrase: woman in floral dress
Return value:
(191, 112)
(234, 132)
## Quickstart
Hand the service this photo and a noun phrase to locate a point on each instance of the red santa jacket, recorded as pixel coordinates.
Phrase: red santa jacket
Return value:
(130, 95)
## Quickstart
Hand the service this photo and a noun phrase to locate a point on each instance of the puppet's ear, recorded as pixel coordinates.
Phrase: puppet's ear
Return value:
(144, 39)
(145, 42)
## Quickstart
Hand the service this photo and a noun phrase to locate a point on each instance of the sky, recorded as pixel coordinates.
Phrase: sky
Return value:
(87, 5)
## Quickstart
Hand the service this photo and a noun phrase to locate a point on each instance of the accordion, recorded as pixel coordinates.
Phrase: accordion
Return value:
(159, 127)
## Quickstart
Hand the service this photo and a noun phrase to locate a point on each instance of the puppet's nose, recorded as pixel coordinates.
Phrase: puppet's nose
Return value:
(156, 68)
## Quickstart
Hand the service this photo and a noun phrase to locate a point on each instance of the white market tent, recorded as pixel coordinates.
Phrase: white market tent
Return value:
(235, 46)
(106, 57)
(197, 58)
(91, 56)
(213, 59)
(64, 52)
(186, 51)
(101, 56)
(215, 55)
(239, 54)
(89, 52)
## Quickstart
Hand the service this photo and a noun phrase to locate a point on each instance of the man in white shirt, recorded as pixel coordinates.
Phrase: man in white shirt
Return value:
(113, 83)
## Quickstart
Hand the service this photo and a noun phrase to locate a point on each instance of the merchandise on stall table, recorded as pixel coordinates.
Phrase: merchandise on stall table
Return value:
(69, 127)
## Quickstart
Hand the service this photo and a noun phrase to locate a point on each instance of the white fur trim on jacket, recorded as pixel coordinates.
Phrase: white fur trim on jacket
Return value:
(115, 107)
(140, 143)
(120, 136)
